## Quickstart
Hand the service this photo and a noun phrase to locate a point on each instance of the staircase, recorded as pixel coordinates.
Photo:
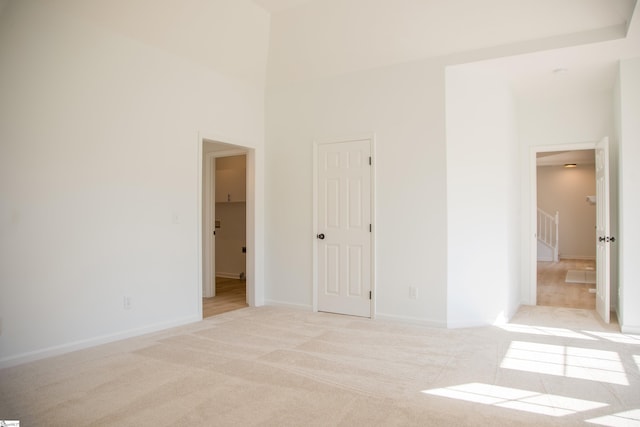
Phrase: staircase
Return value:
(547, 233)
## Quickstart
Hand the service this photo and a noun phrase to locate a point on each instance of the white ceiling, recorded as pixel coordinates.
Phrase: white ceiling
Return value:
(316, 38)
(585, 67)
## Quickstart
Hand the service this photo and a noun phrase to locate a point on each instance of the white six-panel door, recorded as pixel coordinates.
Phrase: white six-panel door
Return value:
(603, 248)
(344, 255)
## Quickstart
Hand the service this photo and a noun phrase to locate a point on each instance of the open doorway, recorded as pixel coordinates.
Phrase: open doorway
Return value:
(229, 215)
(566, 229)
(227, 236)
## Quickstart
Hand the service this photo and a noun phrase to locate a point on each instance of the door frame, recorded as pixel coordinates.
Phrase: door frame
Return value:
(209, 197)
(603, 248)
(208, 216)
(226, 147)
(371, 137)
(533, 217)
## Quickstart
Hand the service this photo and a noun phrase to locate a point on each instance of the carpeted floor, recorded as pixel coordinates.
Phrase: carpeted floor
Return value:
(281, 367)
(581, 276)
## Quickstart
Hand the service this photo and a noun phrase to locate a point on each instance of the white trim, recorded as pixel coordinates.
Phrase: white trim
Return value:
(94, 341)
(210, 212)
(630, 329)
(276, 303)
(410, 320)
(255, 252)
(371, 137)
(225, 275)
(533, 208)
(314, 231)
(471, 323)
(533, 228)
(585, 257)
(345, 138)
(208, 288)
(199, 189)
(227, 153)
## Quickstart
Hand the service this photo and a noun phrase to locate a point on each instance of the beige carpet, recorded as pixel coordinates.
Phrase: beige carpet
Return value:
(280, 367)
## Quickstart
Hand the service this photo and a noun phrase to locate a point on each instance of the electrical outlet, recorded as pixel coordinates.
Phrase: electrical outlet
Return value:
(126, 303)
(413, 292)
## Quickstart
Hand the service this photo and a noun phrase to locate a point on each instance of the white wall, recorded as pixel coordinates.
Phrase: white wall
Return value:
(404, 106)
(99, 165)
(564, 190)
(482, 198)
(629, 177)
(550, 119)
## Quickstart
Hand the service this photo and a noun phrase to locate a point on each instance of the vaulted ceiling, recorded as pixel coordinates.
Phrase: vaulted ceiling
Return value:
(315, 38)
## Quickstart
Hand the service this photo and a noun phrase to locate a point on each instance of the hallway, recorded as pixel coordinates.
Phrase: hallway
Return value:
(231, 294)
(552, 290)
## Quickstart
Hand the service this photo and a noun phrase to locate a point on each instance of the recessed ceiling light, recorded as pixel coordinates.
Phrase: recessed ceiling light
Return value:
(570, 165)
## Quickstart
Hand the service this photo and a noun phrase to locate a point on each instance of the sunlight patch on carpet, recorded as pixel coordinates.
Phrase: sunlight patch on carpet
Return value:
(622, 419)
(565, 361)
(512, 398)
(616, 337)
(544, 330)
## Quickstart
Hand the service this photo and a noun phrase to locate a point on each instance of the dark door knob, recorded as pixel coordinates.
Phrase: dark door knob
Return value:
(321, 236)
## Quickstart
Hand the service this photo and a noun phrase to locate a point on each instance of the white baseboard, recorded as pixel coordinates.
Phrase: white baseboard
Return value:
(409, 319)
(589, 257)
(228, 275)
(630, 329)
(501, 319)
(475, 323)
(305, 307)
(378, 316)
(57, 350)
(468, 323)
(548, 259)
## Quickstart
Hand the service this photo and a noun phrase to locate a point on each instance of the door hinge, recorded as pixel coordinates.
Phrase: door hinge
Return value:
(369, 294)
(369, 160)
(369, 228)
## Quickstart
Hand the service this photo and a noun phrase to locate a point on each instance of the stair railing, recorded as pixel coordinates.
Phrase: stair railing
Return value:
(547, 232)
